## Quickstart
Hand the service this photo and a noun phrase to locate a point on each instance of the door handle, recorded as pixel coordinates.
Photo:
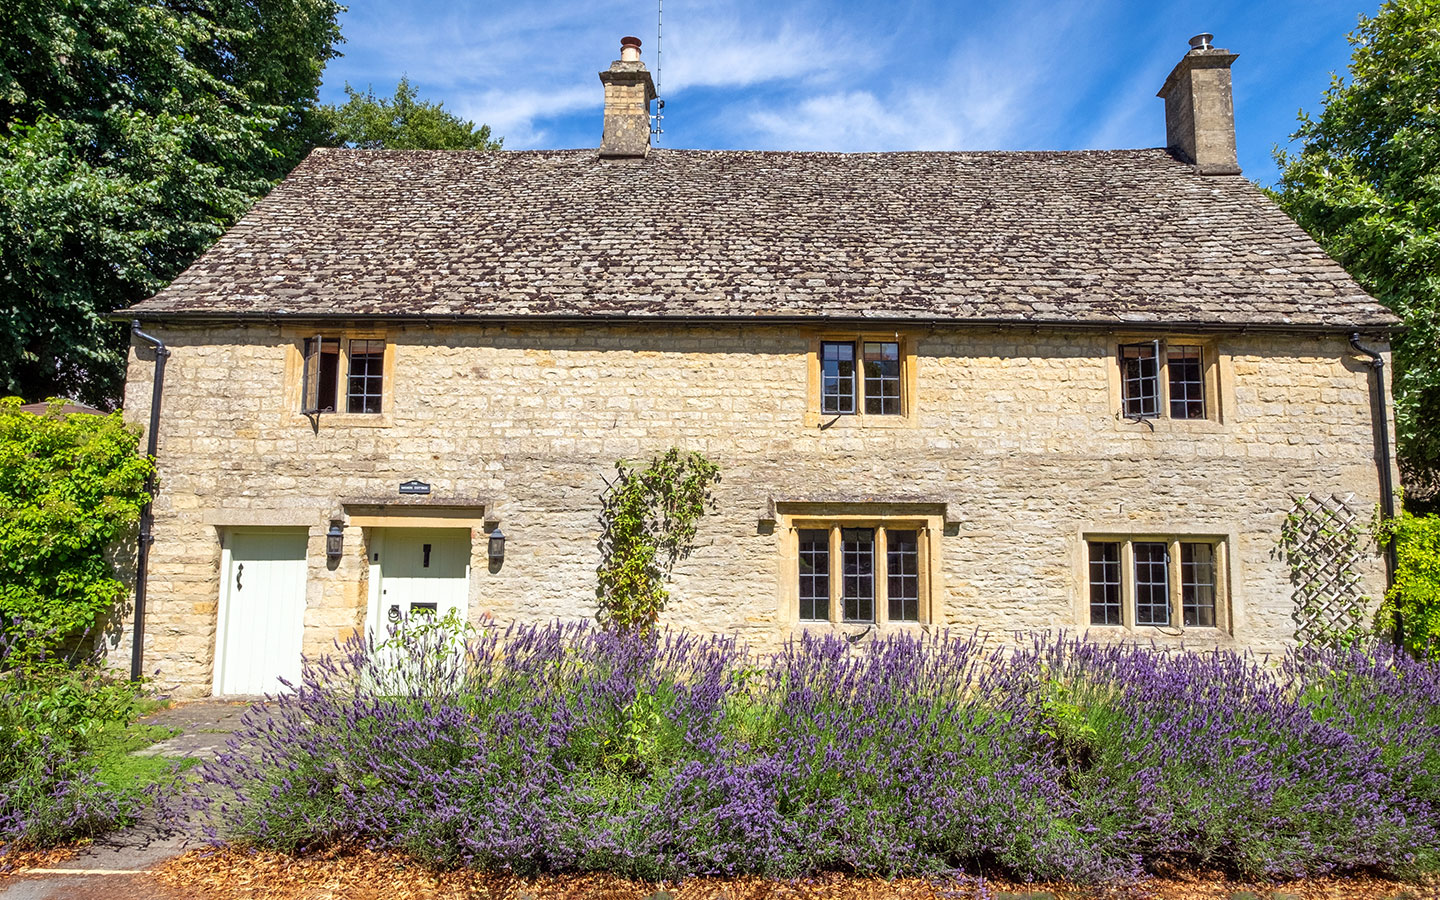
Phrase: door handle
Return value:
(239, 570)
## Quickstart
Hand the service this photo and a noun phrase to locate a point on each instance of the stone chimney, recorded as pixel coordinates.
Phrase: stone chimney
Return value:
(628, 92)
(1199, 113)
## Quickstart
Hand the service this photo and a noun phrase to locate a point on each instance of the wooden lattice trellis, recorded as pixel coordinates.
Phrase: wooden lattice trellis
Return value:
(1322, 542)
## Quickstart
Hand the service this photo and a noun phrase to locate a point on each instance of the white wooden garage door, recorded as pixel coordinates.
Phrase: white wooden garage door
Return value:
(262, 611)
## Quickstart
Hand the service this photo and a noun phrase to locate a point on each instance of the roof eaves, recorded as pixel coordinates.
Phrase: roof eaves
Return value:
(271, 317)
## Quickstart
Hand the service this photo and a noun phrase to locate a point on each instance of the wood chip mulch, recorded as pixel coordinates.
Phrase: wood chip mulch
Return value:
(13, 861)
(234, 874)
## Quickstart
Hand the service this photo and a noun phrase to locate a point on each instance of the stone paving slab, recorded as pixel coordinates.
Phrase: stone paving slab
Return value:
(205, 727)
(116, 866)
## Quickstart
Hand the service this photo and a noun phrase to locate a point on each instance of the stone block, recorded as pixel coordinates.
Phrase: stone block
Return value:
(1025, 478)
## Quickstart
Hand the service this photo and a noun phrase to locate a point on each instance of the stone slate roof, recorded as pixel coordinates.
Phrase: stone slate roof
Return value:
(1107, 238)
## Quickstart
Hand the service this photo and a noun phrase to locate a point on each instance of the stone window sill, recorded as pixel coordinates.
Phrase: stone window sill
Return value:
(345, 420)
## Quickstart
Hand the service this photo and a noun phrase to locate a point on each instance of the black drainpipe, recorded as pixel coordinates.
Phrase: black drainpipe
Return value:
(1382, 461)
(147, 519)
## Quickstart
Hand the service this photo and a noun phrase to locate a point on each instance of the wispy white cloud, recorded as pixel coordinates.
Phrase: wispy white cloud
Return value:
(905, 120)
(518, 68)
(984, 94)
(849, 74)
(731, 53)
(516, 114)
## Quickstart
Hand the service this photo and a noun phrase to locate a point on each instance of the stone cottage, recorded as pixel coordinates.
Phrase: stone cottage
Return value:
(999, 390)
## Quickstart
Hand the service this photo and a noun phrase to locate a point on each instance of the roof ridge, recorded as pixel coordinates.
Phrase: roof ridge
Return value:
(702, 151)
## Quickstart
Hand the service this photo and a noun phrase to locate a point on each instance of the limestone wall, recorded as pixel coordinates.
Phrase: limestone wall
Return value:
(1016, 430)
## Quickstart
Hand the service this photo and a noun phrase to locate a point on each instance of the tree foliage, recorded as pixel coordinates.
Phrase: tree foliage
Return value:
(1366, 184)
(647, 524)
(132, 133)
(1413, 602)
(404, 122)
(71, 487)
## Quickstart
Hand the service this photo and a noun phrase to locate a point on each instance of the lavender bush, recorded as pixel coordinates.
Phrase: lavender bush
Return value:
(54, 712)
(564, 747)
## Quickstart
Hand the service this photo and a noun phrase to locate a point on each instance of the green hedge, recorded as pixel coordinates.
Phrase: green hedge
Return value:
(71, 489)
(1415, 597)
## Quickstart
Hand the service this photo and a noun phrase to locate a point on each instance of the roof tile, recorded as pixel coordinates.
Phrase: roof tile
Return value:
(1093, 237)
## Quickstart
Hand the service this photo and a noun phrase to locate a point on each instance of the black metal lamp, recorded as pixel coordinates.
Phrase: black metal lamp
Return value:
(497, 545)
(335, 541)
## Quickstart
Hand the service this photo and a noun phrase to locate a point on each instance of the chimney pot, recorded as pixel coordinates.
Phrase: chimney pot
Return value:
(1199, 109)
(628, 92)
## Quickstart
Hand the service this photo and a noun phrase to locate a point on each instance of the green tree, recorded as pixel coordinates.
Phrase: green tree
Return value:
(132, 133)
(70, 488)
(1366, 185)
(1415, 597)
(404, 122)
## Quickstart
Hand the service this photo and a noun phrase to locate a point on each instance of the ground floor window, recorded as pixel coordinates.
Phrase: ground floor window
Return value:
(862, 572)
(1159, 582)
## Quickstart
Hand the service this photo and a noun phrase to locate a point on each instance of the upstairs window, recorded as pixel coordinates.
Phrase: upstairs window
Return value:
(861, 376)
(1157, 377)
(837, 373)
(322, 375)
(1156, 582)
(366, 379)
(361, 390)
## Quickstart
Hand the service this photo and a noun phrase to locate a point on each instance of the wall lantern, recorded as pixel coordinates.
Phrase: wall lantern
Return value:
(497, 545)
(334, 541)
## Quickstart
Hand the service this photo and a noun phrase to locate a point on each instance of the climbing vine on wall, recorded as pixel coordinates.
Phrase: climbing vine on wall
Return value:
(647, 524)
(1322, 542)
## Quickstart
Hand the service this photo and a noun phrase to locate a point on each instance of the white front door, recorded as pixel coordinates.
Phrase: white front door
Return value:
(262, 611)
(421, 572)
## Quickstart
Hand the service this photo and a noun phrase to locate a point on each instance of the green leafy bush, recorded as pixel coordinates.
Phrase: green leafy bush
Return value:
(71, 487)
(65, 730)
(1415, 597)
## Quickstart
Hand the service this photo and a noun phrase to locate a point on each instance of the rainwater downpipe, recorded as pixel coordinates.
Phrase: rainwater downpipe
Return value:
(1382, 460)
(147, 518)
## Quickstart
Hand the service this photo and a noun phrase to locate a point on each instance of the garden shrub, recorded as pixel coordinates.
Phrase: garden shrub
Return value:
(71, 487)
(1415, 596)
(57, 720)
(566, 747)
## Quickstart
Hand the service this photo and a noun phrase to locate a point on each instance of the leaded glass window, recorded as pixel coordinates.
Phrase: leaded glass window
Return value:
(367, 366)
(1105, 588)
(837, 378)
(1186, 382)
(322, 373)
(1140, 379)
(1197, 584)
(814, 574)
(882, 378)
(857, 561)
(902, 549)
(1152, 583)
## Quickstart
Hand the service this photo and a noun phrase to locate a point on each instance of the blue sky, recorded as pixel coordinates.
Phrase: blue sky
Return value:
(850, 76)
